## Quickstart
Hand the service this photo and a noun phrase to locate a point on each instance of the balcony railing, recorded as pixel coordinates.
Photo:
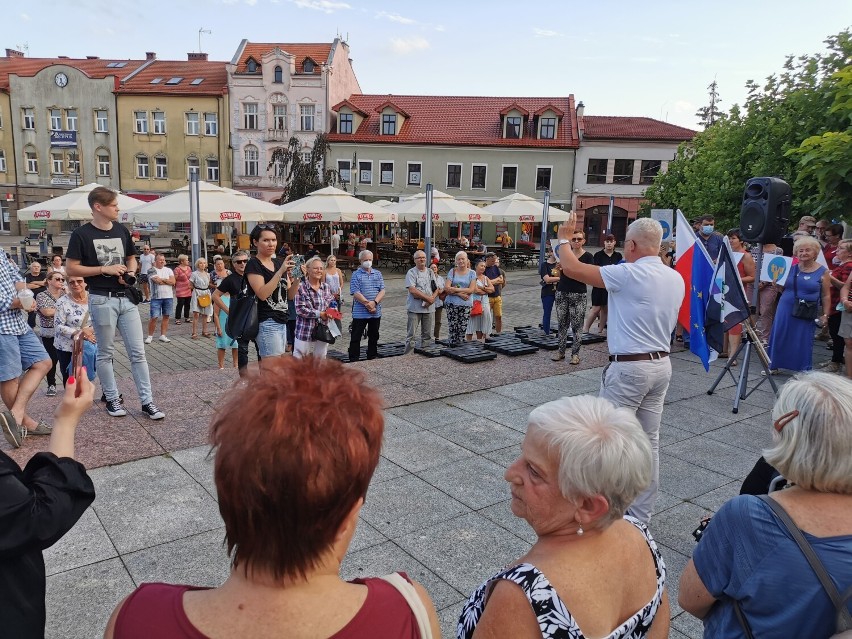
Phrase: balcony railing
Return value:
(277, 135)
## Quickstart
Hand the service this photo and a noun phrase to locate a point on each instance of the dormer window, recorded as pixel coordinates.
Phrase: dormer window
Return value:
(308, 65)
(389, 124)
(345, 125)
(251, 65)
(513, 127)
(279, 75)
(547, 128)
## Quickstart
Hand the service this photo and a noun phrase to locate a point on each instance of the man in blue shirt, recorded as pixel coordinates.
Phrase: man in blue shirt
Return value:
(367, 288)
(710, 238)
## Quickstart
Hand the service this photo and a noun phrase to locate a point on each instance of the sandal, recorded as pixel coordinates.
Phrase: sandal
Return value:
(178, 322)
(195, 336)
(208, 335)
(733, 362)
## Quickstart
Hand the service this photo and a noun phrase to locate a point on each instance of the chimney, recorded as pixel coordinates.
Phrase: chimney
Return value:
(93, 57)
(150, 55)
(581, 125)
(14, 53)
(196, 56)
(580, 108)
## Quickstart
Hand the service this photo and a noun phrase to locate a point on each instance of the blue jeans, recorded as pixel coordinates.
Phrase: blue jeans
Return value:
(18, 353)
(547, 305)
(271, 338)
(109, 314)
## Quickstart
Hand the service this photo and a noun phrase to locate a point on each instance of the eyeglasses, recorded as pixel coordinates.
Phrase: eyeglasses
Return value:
(785, 419)
(58, 279)
(239, 261)
(577, 239)
(76, 282)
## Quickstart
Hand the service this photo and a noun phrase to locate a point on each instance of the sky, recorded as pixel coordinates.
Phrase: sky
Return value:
(651, 58)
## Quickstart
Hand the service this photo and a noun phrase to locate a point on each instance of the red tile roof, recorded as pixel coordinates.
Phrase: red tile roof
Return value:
(318, 52)
(213, 75)
(457, 120)
(94, 68)
(608, 127)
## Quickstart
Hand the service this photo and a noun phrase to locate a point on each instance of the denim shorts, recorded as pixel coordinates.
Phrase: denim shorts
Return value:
(18, 353)
(162, 307)
(271, 338)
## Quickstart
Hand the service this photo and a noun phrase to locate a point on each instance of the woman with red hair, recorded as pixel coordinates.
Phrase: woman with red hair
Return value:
(291, 475)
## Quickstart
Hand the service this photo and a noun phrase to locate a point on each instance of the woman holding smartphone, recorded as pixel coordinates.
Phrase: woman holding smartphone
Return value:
(70, 311)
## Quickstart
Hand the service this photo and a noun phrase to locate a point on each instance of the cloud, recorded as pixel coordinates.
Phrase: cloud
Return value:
(404, 46)
(395, 17)
(326, 6)
(684, 106)
(546, 33)
(25, 17)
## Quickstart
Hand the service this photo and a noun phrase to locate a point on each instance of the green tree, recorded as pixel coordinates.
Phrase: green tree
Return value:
(710, 114)
(709, 173)
(301, 175)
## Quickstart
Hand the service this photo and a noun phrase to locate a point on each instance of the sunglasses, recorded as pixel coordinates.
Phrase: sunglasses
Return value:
(239, 261)
(76, 282)
(577, 239)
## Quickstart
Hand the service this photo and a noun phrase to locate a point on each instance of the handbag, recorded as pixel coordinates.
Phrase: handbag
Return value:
(134, 295)
(203, 300)
(242, 323)
(322, 333)
(421, 616)
(476, 309)
(843, 623)
(802, 309)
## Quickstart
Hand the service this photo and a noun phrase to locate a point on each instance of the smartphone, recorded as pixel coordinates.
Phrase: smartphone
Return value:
(77, 340)
(296, 270)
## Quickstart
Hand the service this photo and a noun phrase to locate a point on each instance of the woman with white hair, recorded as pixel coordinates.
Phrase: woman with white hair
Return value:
(202, 301)
(582, 463)
(747, 559)
(312, 303)
(459, 286)
(808, 284)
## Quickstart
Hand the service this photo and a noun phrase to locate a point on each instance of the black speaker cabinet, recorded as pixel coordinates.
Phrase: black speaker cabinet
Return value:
(765, 210)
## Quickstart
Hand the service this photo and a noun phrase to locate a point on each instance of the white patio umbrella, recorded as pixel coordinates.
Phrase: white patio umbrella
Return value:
(215, 203)
(445, 208)
(523, 208)
(333, 205)
(74, 205)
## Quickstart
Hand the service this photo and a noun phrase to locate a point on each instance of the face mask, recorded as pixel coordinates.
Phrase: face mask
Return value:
(367, 263)
(707, 229)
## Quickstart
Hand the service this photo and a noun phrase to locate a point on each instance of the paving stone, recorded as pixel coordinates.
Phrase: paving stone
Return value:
(714, 499)
(432, 413)
(86, 543)
(685, 480)
(673, 527)
(501, 514)
(449, 618)
(505, 456)
(484, 403)
(365, 536)
(201, 560)
(479, 435)
(708, 453)
(688, 625)
(387, 470)
(396, 426)
(514, 419)
(475, 482)
(198, 463)
(422, 450)
(754, 434)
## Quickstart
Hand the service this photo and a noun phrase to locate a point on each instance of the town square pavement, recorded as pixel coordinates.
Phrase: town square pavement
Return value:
(438, 506)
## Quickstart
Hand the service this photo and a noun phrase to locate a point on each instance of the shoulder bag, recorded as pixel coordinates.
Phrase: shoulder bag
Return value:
(418, 609)
(843, 624)
(803, 309)
(242, 323)
(322, 333)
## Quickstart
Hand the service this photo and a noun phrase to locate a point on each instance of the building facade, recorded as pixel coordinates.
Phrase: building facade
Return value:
(618, 159)
(279, 91)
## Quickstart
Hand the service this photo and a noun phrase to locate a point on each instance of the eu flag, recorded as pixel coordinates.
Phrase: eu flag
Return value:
(702, 276)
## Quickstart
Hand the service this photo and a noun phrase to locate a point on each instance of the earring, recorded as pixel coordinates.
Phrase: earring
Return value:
(580, 530)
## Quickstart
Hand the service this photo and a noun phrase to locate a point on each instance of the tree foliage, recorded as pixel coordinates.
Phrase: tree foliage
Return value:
(302, 176)
(710, 114)
(780, 131)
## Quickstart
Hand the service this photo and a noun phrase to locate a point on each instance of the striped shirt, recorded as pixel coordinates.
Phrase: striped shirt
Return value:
(368, 284)
(12, 321)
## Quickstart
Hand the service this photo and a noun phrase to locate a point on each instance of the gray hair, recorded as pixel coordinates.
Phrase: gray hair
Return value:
(240, 253)
(363, 253)
(646, 232)
(600, 450)
(183, 258)
(807, 240)
(200, 260)
(315, 258)
(419, 252)
(461, 254)
(814, 449)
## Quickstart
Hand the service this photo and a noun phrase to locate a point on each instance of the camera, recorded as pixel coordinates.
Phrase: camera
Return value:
(129, 279)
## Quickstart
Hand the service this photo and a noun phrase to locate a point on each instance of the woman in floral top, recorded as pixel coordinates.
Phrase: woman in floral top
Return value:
(183, 289)
(70, 310)
(45, 310)
(312, 301)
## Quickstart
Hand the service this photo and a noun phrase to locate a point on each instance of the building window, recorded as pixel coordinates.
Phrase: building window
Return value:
(279, 117)
(103, 163)
(250, 115)
(57, 163)
(542, 178)
(477, 180)
(454, 176)
(308, 66)
(510, 178)
(622, 172)
(142, 170)
(513, 127)
(101, 123)
(212, 170)
(547, 131)
(251, 67)
(192, 165)
(55, 120)
(365, 172)
(31, 160)
(596, 173)
(649, 171)
(73, 163)
(414, 173)
(192, 127)
(161, 167)
(71, 119)
(2, 161)
(306, 157)
(211, 124)
(344, 169)
(345, 124)
(307, 111)
(279, 75)
(251, 161)
(385, 172)
(141, 122)
(389, 124)
(29, 118)
(159, 123)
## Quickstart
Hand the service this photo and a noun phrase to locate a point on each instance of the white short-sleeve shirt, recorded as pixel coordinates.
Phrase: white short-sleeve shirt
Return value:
(644, 300)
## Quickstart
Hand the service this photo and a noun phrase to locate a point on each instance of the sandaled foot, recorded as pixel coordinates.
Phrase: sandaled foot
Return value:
(195, 336)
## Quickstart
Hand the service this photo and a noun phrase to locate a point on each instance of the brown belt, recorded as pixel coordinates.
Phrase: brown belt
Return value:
(639, 357)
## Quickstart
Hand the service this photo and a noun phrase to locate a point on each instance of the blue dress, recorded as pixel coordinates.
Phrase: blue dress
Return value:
(791, 344)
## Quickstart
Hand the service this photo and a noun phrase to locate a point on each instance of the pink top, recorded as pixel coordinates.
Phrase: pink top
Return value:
(182, 285)
(156, 610)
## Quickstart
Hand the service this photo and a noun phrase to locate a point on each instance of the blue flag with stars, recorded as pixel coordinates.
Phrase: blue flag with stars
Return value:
(702, 277)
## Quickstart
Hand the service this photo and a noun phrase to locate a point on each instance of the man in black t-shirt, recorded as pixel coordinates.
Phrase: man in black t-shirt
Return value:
(571, 303)
(233, 285)
(102, 252)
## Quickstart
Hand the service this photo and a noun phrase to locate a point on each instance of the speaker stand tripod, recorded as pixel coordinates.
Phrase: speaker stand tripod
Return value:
(751, 341)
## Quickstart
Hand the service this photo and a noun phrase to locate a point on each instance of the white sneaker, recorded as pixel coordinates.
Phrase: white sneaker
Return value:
(149, 339)
(164, 339)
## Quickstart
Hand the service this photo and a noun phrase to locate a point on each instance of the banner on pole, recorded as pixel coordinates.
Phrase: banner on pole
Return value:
(666, 219)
